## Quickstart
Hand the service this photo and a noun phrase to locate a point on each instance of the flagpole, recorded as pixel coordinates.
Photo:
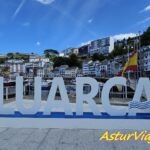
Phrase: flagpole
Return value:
(137, 56)
(140, 51)
(128, 60)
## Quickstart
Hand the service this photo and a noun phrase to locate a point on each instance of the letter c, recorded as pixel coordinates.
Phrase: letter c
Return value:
(105, 96)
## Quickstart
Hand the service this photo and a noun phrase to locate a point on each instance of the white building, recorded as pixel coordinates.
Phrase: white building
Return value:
(101, 46)
(85, 68)
(103, 69)
(75, 51)
(96, 68)
(36, 58)
(59, 71)
(67, 52)
(41, 69)
(146, 55)
(113, 68)
(62, 69)
(61, 54)
(93, 68)
(48, 67)
(16, 66)
(71, 72)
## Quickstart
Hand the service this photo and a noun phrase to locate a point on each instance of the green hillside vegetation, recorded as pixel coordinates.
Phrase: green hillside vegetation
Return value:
(145, 38)
(51, 54)
(130, 45)
(72, 61)
(18, 56)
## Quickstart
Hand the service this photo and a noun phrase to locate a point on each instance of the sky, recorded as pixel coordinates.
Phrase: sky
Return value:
(31, 26)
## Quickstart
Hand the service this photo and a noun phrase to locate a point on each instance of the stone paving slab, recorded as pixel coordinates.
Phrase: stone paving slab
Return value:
(62, 139)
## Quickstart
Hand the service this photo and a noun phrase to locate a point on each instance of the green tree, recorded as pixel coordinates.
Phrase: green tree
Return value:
(10, 55)
(145, 38)
(2, 60)
(71, 61)
(99, 57)
(74, 61)
(48, 52)
(5, 72)
(58, 61)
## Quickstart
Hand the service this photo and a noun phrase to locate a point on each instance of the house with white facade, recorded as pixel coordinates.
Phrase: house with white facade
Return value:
(71, 72)
(37, 58)
(113, 68)
(16, 66)
(67, 52)
(85, 68)
(62, 69)
(40, 68)
(101, 46)
(146, 58)
(93, 68)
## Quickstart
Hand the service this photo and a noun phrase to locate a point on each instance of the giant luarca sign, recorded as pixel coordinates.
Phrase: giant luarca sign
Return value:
(58, 83)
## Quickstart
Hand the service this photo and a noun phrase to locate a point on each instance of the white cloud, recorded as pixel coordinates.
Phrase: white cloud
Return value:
(18, 9)
(146, 9)
(122, 36)
(90, 20)
(143, 21)
(26, 24)
(45, 2)
(38, 43)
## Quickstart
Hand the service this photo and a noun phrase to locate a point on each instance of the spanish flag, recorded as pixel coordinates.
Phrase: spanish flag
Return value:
(132, 63)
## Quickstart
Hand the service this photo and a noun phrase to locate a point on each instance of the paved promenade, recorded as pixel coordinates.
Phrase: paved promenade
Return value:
(62, 139)
(59, 139)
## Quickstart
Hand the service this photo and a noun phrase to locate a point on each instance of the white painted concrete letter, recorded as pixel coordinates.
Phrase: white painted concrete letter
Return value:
(105, 96)
(143, 85)
(52, 103)
(81, 97)
(3, 110)
(37, 96)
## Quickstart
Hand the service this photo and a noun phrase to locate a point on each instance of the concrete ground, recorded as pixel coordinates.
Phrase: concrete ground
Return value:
(60, 139)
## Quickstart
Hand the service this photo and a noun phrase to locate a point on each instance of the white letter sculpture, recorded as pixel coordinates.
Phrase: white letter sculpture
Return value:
(105, 96)
(86, 97)
(3, 110)
(37, 96)
(142, 86)
(52, 103)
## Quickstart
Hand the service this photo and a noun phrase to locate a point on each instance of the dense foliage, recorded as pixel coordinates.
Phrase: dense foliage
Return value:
(98, 57)
(145, 38)
(71, 61)
(48, 52)
(19, 56)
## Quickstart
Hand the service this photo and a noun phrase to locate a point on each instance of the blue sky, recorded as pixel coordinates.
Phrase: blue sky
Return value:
(34, 25)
